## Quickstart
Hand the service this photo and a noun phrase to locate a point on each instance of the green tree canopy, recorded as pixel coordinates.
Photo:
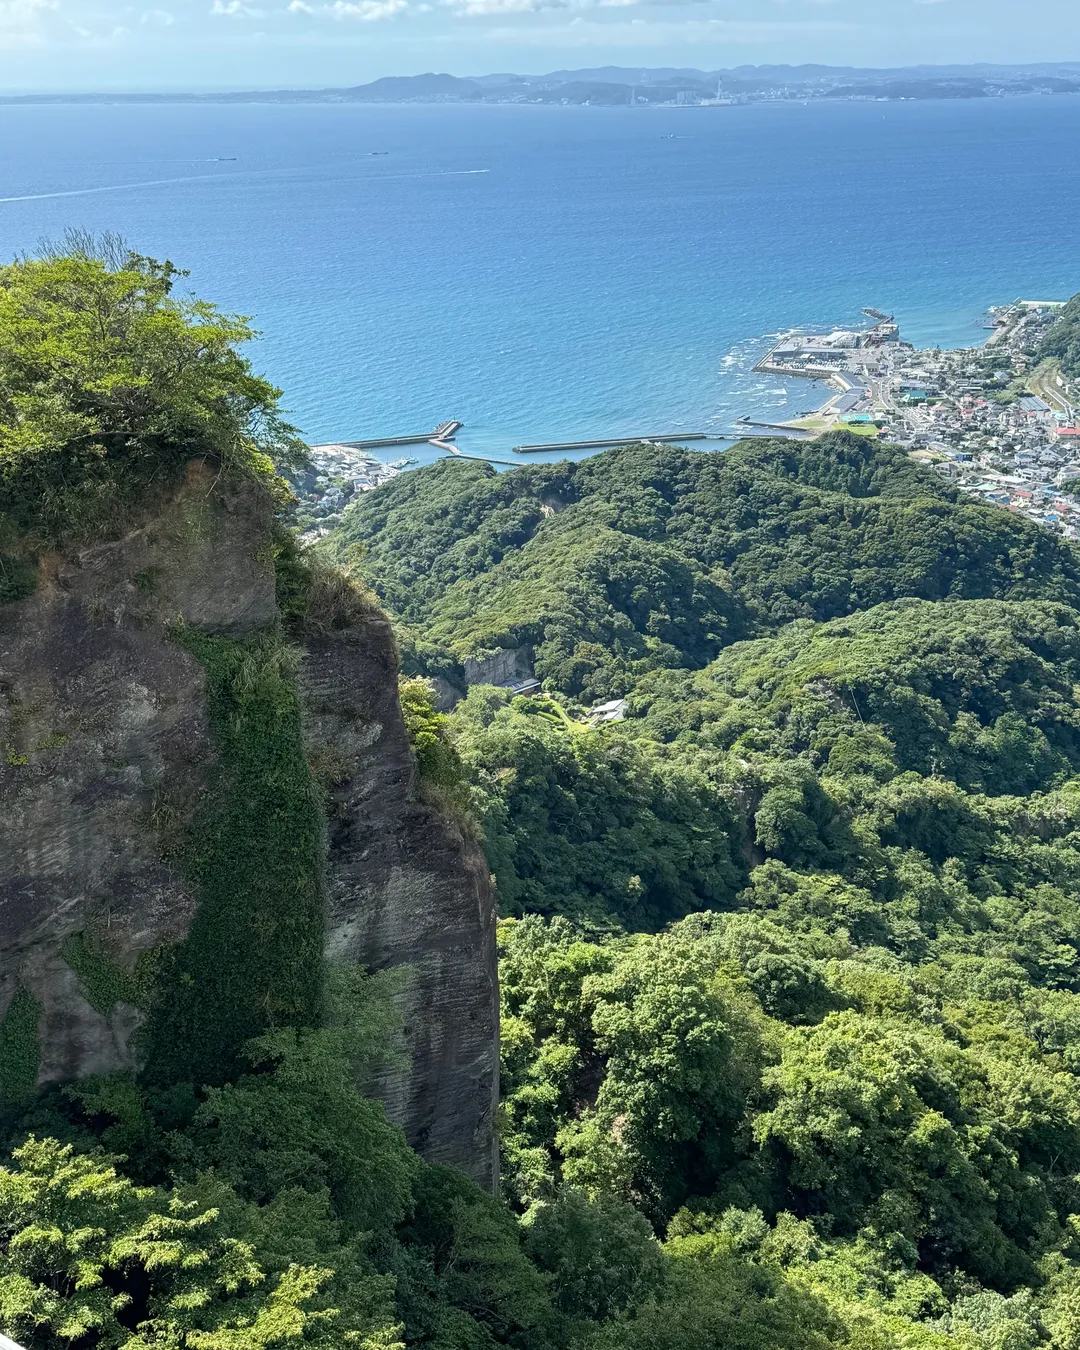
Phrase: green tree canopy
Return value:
(109, 385)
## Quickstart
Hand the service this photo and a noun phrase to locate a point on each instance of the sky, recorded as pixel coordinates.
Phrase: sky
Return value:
(81, 45)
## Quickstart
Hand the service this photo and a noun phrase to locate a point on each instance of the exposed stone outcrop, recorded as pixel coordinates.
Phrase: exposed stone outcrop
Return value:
(105, 758)
(408, 889)
(500, 666)
(105, 751)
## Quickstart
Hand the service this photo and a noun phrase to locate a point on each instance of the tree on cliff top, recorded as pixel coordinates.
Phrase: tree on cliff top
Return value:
(109, 384)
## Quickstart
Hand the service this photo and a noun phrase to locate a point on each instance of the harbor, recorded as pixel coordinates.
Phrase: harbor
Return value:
(340, 471)
(773, 428)
(993, 419)
(442, 432)
(1001, 427)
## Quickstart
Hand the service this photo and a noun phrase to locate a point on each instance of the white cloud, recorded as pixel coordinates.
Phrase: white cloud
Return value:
(18, 11)
(583, 30)
(21, 21)
(367, 11)
(236, 9)
(482, 8)
(156, 18)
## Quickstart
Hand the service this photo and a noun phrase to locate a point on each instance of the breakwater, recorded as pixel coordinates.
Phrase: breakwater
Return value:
(671, 436)
(441, 433)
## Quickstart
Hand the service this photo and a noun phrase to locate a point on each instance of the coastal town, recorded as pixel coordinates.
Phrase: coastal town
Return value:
(995, 420)
(336, 475)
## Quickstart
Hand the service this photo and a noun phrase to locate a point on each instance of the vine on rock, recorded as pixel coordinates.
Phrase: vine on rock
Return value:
(253, 958)
(20, 1049)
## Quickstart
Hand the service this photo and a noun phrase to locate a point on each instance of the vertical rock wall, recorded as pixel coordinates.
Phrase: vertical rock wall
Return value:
(105, 756)
(105, 751)
(408, 890)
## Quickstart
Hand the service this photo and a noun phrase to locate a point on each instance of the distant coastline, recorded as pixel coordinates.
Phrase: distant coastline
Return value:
(574, 344)
(615, 86)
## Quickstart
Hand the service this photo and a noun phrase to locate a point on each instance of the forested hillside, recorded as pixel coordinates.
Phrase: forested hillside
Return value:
(791, 955)
(1062, 342)
(648, 558)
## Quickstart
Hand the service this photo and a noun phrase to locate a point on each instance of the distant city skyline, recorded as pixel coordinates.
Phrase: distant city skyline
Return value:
(81, 45)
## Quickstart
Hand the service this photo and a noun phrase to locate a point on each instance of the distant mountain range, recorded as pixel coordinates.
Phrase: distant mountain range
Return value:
(619, 85)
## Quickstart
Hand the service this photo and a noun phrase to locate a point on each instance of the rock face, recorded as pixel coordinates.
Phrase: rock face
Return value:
(499, 666)
(105, 756)
(104, 750)
(407, 889)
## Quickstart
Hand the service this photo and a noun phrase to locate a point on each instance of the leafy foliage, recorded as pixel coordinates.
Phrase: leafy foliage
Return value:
(796, 967)
(103, 980)
(440, 774)
(717, 1301)
(978, 691)
(1063, 340)
(602, 1256)
(599, 826)
(436, 759)
(110, 385)
(791, 1001)
(253, 956)
(123, 1265)
(20, 1051)
(629, 1068)
(649, 558)
(279, 1208)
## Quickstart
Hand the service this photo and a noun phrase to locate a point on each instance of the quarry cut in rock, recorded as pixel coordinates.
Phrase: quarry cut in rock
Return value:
(107, 754)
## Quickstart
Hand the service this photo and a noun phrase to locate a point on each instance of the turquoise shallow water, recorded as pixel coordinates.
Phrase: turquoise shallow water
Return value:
(562, 273)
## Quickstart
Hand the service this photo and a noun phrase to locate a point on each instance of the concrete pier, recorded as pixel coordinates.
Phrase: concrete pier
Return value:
(670, 436)
(441, 433)
(784, 427)
(455, 453)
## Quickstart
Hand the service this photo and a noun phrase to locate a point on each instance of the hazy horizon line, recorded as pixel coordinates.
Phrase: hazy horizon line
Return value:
(163, 91)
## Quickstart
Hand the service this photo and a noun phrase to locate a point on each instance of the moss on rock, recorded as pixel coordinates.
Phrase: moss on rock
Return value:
(20, 1049)
(253, 958)
(102, 979)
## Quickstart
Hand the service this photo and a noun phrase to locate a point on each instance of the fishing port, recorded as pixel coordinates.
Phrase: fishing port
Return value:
(857, 363)
(342, 470)
(999, 424)
(443, 432)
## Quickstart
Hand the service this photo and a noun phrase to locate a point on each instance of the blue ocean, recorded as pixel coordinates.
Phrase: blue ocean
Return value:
(548, 273)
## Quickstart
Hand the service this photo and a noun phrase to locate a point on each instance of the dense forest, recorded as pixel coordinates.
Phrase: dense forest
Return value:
(643, 559)
(237, 1190)
(1062, 342)
(790, 956)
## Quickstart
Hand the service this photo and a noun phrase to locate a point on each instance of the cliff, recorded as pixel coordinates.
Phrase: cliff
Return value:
(405, 888)
(171, 873)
